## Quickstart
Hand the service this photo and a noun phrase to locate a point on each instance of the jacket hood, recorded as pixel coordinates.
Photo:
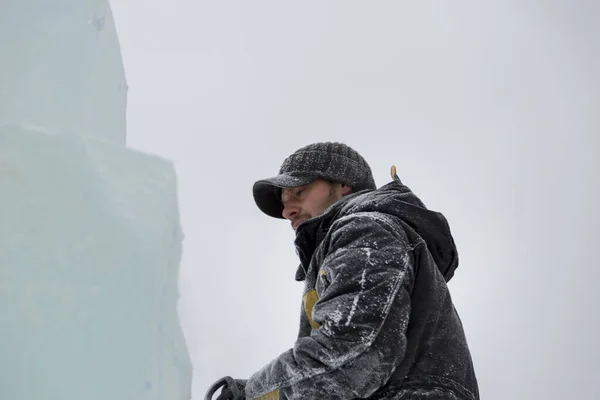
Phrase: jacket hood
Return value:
(398, 200)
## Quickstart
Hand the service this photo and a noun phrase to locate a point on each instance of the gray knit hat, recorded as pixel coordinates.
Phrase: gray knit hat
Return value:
(331, 161)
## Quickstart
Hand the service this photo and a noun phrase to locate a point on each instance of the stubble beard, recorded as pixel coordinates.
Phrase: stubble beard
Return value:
(331, 199)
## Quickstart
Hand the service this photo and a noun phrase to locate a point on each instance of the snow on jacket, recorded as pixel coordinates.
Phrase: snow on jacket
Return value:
(377, 318)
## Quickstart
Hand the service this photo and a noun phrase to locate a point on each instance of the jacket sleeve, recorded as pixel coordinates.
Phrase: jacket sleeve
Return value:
(361, 315)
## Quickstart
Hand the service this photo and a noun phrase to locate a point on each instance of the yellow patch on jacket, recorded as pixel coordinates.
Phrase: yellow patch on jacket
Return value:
(274, 395)
(310, 298)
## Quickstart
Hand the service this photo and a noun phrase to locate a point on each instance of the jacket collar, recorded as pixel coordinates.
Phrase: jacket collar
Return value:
(311, 233)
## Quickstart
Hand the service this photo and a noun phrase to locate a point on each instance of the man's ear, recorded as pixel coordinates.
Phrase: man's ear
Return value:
(346, 190)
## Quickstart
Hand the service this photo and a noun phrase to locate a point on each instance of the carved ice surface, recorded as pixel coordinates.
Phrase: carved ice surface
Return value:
(90, 243)
(90, 236)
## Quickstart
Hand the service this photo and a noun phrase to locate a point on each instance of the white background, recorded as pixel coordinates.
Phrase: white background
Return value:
(490, 110)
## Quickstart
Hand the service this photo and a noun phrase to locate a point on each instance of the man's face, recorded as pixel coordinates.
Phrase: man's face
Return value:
(305, 202)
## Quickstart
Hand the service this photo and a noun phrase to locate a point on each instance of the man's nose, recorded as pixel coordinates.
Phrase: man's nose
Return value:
(290, 211)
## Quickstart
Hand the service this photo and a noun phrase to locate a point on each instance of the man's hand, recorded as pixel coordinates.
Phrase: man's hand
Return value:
(232, 389)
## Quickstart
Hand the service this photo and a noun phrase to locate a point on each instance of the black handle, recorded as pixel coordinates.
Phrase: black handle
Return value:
(224, 382)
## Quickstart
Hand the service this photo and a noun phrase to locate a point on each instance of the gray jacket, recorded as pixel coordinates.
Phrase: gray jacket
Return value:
(377, 318)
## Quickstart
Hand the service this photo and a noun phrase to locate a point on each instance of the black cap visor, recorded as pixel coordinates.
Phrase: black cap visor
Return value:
(267, 192)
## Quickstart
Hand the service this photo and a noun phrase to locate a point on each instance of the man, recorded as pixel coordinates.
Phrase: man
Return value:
(378, 321)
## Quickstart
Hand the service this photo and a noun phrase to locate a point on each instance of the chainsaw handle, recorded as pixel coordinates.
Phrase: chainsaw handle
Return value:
(224, 382)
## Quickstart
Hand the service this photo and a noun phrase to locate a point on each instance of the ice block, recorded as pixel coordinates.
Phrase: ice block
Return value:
(90, 236)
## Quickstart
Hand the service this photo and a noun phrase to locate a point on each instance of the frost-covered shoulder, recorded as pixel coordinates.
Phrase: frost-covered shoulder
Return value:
(368, 226)
(368, 218)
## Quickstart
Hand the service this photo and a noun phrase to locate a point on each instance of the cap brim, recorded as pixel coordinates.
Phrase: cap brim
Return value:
(267, 192)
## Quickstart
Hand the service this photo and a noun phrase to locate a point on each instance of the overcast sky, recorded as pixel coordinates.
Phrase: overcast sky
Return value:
(490, 112)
